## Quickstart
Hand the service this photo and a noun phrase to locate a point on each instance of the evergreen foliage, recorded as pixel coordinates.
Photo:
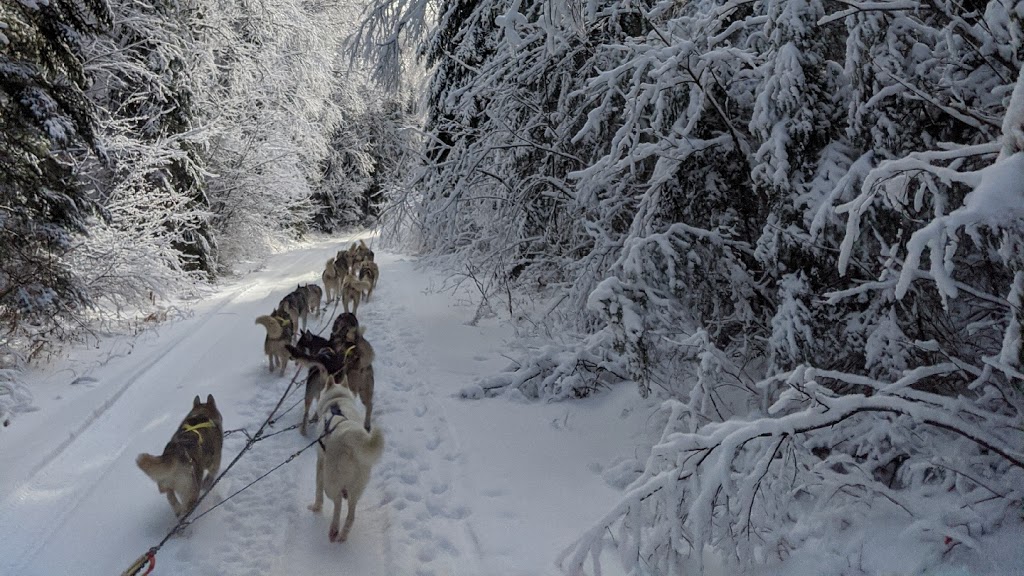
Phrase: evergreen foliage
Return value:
(47, 128)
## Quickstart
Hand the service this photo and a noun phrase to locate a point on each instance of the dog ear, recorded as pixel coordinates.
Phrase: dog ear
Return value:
(196, 402)
(210, 402)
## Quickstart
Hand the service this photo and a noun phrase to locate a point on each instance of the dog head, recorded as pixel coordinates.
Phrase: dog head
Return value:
(205, 411)
(305, 340)
(351, 335)
(342, 323)
(335, 386)
(311, 342)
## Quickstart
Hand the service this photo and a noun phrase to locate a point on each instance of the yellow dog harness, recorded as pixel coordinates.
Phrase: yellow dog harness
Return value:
(197, 427)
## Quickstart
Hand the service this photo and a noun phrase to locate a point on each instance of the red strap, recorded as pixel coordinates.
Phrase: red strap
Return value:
(152, 562)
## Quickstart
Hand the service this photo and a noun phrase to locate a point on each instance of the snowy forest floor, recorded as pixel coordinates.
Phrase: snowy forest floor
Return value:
(491, 487)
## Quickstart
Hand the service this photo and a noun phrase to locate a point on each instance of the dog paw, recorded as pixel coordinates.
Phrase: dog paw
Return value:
(315, 507)
(332, 534)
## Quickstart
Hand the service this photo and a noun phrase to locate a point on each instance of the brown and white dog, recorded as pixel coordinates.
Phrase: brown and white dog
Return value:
(194, 448)
(369, 271)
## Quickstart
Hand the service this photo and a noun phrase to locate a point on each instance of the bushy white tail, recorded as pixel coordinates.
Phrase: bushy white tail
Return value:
(274, 330)
(156, 467)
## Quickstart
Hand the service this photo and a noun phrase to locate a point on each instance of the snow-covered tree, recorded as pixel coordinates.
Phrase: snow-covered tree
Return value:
(738, 199)
(47, 129)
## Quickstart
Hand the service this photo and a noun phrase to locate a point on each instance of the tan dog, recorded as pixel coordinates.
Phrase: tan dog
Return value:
(346, 455)
(369, 271)
(280, 331)
(352, 290)
(364, 252)
(343, 263)
(194, 448)
(332, 282)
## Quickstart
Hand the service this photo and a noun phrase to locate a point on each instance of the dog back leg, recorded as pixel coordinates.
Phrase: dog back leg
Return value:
(353, 497)
(314, 383)
(190, 491)
(212, 470)
(305, 415)
(318, 501)
(282, 361)
(172, 498)
(334, 534)
(366, 395)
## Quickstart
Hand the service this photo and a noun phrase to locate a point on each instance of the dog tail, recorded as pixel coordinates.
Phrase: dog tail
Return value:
(358, 283)
(156, 467)
(374, 446)
(274, 330)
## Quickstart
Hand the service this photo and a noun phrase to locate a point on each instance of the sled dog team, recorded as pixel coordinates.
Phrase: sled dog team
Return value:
(340, 368)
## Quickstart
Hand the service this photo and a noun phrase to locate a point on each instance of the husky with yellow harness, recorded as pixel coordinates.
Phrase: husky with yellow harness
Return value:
(194, 448)
(280, 330)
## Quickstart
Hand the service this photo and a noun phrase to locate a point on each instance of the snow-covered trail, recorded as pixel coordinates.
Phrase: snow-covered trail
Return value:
(463, 488)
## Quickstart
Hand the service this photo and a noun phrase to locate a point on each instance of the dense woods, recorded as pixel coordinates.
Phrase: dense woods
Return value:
(796, 222)
(151, 145)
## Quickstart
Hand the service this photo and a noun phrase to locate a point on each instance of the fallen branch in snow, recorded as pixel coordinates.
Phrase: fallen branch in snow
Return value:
(710, 479)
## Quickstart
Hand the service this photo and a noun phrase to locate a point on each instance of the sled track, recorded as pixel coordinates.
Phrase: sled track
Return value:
(106, 405)
(45, 530)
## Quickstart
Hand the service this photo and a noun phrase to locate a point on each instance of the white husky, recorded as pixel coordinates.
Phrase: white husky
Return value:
(346, 455)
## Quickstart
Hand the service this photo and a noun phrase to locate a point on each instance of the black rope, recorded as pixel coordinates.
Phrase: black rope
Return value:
(265, 474)
(281, 431)
(275, 420)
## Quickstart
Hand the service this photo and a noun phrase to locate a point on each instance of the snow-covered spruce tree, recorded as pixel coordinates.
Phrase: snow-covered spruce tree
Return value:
(904, 411)
(46, 131)
(368, 152)
(759, 184)
(270, 118)
(503, 108)
(163, 44)
(152, 186)
(347, 168)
